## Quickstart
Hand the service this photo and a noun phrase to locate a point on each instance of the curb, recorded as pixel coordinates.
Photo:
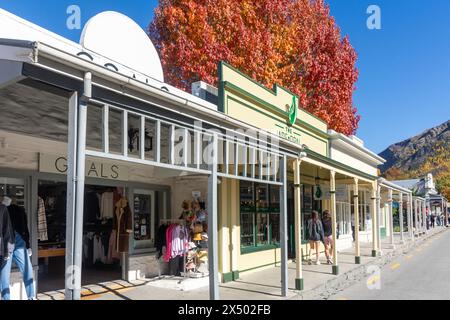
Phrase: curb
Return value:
(352, 277)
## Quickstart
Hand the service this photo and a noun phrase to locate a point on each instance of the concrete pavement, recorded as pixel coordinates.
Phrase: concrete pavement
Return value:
(320, 283)
(421, 273)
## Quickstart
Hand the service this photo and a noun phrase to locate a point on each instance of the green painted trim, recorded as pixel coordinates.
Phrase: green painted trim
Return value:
(340, 165)
(383, 232)
(274, 91)
(335, 270)
(262, 266)
(318, 133)
(357, 260)
(247, 250)
(374, 253)
(273, 108)
(235, 275)
(299, 284)
(227, 277)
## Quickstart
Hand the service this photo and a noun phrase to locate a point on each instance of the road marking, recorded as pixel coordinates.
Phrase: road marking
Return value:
(395, 266)
(343, 298)
(409, 257)
(373, 280)
(419, 249)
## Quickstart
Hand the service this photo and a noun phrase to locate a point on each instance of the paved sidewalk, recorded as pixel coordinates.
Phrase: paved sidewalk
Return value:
(319, 281)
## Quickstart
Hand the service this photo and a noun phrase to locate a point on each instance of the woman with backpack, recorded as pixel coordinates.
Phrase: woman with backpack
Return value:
(315, 235)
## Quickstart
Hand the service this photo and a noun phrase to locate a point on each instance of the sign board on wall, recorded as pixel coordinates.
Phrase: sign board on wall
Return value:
(276, 111)
(341, 193)
(94, 168)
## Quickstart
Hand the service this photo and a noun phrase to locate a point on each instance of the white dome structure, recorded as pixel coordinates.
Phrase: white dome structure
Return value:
(120, 39)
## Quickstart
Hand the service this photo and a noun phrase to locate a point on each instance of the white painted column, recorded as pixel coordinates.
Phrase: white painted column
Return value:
(391, 218)
(409, 217)
(356, 212)
(416, 217)
(378, 202)
(373, 209)
(400, 212)
(299, 284)
(424, 217)
(333, 220)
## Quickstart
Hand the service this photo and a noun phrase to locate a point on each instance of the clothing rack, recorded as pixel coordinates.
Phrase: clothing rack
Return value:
(177, 221)
(182, 223)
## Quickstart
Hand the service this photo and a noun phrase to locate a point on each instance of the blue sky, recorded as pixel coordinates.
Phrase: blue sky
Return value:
(404, 85)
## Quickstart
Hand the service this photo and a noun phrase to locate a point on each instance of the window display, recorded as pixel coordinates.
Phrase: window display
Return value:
(260, 215)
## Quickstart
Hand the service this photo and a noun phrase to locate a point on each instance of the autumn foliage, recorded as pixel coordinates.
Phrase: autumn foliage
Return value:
(292, 43)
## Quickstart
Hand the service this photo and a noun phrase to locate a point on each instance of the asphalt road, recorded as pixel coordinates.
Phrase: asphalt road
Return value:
(421, 274)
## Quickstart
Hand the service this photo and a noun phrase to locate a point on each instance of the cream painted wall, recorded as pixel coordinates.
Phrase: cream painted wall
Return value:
(353, 162)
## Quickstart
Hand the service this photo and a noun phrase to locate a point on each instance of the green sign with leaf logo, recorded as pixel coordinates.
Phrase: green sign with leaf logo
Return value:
(293, 111)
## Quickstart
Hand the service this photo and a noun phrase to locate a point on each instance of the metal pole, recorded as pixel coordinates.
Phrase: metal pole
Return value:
(75, 184)
(356, 212)
(400, 212)
(299, 284)
(212, 222)
(283, 228)
(333, 221)
(71, 191)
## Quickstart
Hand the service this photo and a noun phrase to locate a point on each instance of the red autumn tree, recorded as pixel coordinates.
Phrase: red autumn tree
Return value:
(293, 43)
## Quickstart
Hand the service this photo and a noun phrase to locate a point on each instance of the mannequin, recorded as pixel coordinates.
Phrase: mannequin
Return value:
(22, 252)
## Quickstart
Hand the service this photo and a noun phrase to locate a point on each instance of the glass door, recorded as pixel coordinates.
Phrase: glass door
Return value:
(143, 219)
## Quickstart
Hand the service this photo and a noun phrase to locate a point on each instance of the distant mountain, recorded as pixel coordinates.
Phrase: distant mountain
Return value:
(422, 154)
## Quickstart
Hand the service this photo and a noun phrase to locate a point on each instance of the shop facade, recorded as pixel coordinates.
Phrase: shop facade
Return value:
(84, 125)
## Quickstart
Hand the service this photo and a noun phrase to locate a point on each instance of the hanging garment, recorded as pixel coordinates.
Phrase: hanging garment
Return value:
(112, 248)
(180, 241)
(91, 207)
(99, 255)
(123, 224)
(7, 236)
(160, 240)
(42, 221)
(19, 222)
(168, 252)
(107, 205)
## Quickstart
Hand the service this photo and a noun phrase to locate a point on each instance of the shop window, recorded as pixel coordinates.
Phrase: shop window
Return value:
(94, 127)
(192, 150)
(134, 135)
(164, 143)
(343, 216)
(150, 143)
(221, 156)
(115, 131)
(206, 151)
(259, 216)
(144, 218)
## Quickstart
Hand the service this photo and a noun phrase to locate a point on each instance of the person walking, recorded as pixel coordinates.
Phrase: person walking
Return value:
(328, 236)
(315, 235)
